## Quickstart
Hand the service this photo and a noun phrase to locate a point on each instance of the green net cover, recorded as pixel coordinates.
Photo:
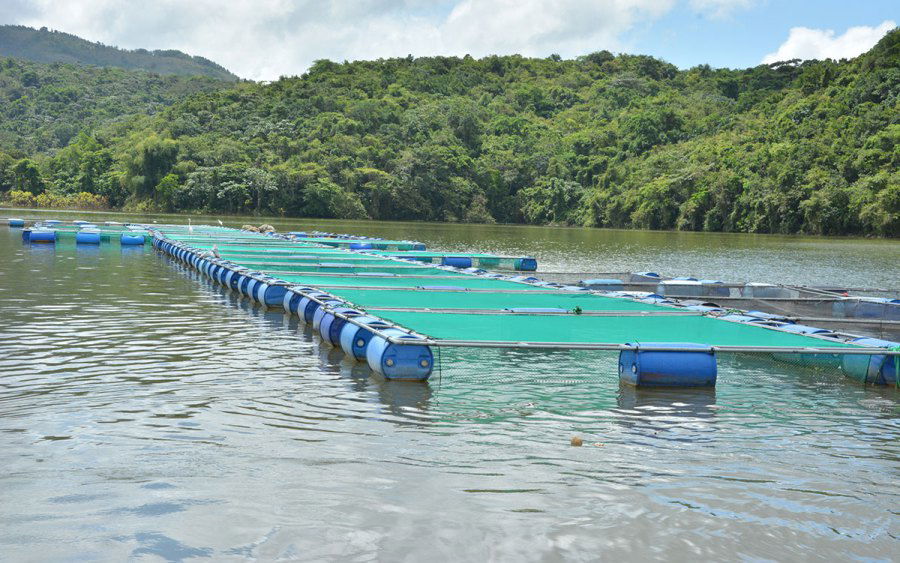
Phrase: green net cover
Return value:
(580, 328)
(400, 282)
(346, 260)
(490, 301)
(396, 269)
(415, 253)
(304, 257)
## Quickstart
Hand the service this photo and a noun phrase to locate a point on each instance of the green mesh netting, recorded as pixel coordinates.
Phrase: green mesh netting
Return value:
(394, 268)
(398, 282)
(423, 253)
(493, 301)
(580, 328)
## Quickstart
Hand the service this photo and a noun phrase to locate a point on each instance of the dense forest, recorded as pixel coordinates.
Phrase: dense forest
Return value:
(602, 140)
(46, 46)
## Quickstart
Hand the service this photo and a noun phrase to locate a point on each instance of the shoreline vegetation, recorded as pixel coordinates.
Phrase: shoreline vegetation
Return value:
(623, 141)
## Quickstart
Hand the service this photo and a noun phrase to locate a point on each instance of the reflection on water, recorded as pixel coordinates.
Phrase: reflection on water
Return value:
(147, 412)
(696, 402)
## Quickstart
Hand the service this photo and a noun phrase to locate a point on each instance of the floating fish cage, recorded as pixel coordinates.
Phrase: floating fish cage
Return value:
(409, 318)
(833, 308)
(83, 232)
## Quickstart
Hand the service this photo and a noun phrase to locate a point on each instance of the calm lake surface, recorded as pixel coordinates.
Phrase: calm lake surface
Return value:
(145, 413)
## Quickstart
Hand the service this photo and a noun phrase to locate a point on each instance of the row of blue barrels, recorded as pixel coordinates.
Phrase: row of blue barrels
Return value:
(20, 223)
(84, 236)
(876, 369)
(360, 336)
(524, 264)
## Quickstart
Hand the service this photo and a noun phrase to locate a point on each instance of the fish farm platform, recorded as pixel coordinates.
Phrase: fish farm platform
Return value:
(397, 314)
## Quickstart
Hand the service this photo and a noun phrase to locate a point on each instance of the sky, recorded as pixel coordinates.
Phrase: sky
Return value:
(265, 39)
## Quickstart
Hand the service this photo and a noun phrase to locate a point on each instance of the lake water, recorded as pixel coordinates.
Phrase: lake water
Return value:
(145, 413)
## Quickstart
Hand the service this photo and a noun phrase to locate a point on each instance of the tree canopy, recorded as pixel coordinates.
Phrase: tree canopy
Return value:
(605, 141)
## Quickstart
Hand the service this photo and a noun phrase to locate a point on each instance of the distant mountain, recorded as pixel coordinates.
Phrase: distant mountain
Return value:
(45, 46)
(43, 106)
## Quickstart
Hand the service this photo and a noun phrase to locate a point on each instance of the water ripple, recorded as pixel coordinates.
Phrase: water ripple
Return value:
(146, 412)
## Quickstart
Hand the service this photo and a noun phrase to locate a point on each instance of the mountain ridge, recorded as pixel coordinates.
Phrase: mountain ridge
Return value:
(49, 46)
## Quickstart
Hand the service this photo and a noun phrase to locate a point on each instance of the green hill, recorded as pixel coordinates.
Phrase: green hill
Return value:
(607, 141)
(44, 46)
(44, 106)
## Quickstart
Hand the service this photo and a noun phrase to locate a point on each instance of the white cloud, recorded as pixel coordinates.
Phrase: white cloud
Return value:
(720, 9)
(262, 39)
(806, 43)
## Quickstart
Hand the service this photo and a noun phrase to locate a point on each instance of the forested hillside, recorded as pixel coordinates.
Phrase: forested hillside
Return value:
(44, 106)
(606, 141)
(45, 46)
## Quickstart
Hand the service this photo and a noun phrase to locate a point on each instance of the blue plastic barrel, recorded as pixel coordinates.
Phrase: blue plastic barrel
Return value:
(270, 294)
(246, 282)
(26, 235)
(691, 365)
(355, 340)
(418, 246)
(131, 239)
(307, 307)
(320, 312)
(249, 289)
(17, 223)
(331, 325)
(398, 361)
(223, 273)
(228, 276)
(42, 236)
(360, 246)
(878, 369)
(457, 261)
(87, 236)
(525, 264)
(290, 301)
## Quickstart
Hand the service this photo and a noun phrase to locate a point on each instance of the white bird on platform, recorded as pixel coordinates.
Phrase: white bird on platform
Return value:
(212, 252)
(220, 222)
(190, 227)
